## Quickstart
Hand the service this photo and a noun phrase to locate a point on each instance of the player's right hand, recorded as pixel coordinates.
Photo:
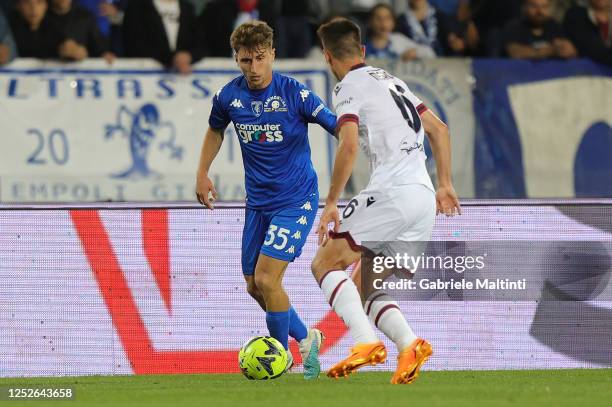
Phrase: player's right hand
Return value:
(204, 188)
(330, 214)
(447, 201)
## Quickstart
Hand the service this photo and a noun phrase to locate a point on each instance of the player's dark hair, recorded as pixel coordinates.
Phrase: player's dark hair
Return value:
(252, 35)
(341, 37)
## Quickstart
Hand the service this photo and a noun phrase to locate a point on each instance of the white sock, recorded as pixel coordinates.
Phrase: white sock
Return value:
(342, 295)
(385, 314)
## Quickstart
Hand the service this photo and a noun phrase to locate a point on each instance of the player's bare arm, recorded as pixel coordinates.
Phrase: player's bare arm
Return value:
(439, 139)
(346, 154)
(205, 189)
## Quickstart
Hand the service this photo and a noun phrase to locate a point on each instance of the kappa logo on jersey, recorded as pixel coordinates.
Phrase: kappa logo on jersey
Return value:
(302, 220)
(257, 107)
(260, 133)
(275, 104)
(237, 103)
(304, 94)
(297, 235)
(307, 206)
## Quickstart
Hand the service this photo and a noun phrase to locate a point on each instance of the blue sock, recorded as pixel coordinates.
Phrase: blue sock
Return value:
(278, 326)
(297, 329)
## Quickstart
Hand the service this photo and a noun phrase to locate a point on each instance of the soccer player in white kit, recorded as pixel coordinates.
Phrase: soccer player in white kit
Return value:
(378, 112)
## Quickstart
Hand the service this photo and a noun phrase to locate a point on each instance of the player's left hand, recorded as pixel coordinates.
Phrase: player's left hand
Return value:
(447, 201)
(330, 214)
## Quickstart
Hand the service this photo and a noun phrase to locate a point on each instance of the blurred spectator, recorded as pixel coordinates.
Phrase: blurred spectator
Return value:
(560, 7)
(109, 17)
(217, 20)
(292, 29)
(421, 22)
(8, 50)
(165, 30)
(79, 25)
(7, 6)
(114, 11)
(490, 18)
(445, 34)
(247, 11)
(589, 28)
(198, 6)
(536, 35)
(356, 10)
(382, 42)
(449, 7)
(36, 36)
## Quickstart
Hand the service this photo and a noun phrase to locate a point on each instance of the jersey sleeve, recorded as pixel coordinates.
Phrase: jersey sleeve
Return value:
(219, 118)
(313, 110)
(416, 102)
(347, 102)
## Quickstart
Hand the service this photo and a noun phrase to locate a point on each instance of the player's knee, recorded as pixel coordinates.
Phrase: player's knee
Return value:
(252, 288)
(266, 282)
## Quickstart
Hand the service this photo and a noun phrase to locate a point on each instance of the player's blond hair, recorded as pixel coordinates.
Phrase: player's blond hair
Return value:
(252, 35)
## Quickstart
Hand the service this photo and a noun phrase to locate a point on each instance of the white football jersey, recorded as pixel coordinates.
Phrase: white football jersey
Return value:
(390, 130)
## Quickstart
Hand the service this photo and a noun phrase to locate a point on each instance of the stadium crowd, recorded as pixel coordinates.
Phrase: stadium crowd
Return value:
(179, 33)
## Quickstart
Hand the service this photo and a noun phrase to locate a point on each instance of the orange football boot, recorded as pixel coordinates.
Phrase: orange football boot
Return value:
(410, 360)
(361, 355)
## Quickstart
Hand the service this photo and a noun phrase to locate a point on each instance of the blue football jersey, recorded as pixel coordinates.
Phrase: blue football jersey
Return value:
(272, 128)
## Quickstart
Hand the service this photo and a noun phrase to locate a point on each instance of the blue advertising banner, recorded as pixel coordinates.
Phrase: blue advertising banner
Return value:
(542, 129)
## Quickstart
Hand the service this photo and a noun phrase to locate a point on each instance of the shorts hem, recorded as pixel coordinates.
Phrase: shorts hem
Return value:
(278, 256)
(349, 239)
(248, 274)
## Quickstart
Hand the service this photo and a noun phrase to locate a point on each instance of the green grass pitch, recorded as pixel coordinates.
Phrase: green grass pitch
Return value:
(572, 387)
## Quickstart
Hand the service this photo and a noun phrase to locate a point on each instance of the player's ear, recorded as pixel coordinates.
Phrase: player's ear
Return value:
(273, 53)
(363, 51)
(328, 56)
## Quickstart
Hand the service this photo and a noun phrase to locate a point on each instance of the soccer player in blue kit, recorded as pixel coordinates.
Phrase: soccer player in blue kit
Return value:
(270, 113)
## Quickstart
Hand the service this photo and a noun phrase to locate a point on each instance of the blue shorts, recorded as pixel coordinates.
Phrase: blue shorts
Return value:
(280, 233)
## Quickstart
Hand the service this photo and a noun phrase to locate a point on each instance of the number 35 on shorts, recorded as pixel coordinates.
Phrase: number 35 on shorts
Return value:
(277, 237)
(287, 234)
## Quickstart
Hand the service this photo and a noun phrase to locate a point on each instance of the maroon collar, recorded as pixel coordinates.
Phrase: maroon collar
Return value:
(360, 65)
